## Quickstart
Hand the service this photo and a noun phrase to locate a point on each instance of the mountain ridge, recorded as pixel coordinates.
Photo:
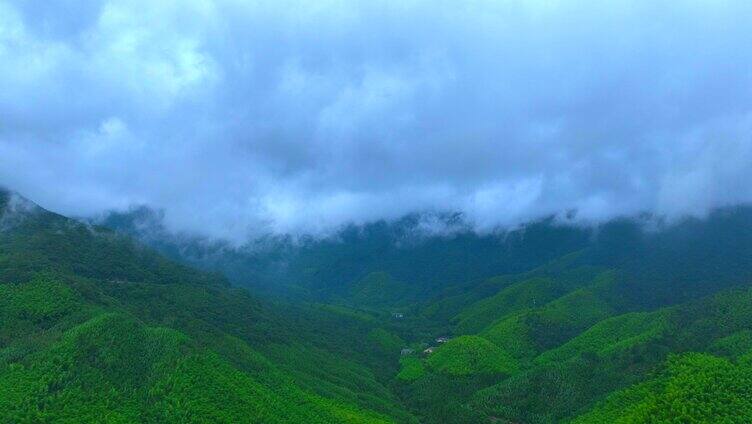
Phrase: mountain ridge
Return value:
(89, 291)
(574, 328)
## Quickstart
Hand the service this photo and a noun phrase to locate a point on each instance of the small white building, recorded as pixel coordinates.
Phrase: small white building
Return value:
(406, 351)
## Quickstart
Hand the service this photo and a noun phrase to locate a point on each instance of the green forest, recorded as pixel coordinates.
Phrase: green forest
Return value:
(544, 324)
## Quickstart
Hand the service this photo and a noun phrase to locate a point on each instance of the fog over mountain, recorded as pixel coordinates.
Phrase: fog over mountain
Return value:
(243, 118)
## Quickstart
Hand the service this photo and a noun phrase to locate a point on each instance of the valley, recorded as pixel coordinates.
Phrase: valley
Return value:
(559, 324)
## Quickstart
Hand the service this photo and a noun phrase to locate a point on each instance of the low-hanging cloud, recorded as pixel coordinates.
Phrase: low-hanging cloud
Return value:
(242, 118)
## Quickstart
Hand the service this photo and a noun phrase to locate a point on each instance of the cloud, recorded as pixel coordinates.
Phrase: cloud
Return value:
(241, 118)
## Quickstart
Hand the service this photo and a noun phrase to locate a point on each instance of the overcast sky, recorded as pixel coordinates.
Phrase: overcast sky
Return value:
(243, 117)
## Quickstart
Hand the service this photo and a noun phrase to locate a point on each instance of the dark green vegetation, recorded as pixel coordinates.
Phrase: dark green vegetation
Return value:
(546, 324)
(96, 328)
(380, 263)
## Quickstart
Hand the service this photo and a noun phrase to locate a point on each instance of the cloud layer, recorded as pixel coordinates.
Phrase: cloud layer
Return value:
(240, 118)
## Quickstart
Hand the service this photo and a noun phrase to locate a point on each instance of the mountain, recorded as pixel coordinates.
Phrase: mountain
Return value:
(396, 264)
(634, 321)
(96, 327)
(327, 268)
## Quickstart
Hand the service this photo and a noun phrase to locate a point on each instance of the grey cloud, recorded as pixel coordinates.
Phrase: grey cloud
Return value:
(240, 118)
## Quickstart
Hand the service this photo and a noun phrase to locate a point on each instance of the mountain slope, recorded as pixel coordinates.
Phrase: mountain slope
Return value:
(95, 325)
(330, 268)
(544, 325)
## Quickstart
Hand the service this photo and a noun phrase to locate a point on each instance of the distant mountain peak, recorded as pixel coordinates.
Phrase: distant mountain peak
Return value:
(14, 208)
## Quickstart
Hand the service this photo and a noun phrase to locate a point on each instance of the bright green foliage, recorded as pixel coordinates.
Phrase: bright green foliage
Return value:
(564, 318)
(519, 296)
(475, 306)
(618, 333)
(204, 388)
(547, 324)
(411, 369)
(33, 313)
(695, 388)
(529, 332)
(42, 301)
(113, 367)
(468, 355)
(719, 316)
(513, 336)
(619, 352)
(735, 345)
(95, 328)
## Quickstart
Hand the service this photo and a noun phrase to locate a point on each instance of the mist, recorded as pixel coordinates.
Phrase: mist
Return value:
(240, 119)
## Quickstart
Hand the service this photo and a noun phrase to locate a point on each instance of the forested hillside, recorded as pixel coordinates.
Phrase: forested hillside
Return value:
(547, 324)
(639, 326)
(394, 212)
(328, 268)
(97, 328)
